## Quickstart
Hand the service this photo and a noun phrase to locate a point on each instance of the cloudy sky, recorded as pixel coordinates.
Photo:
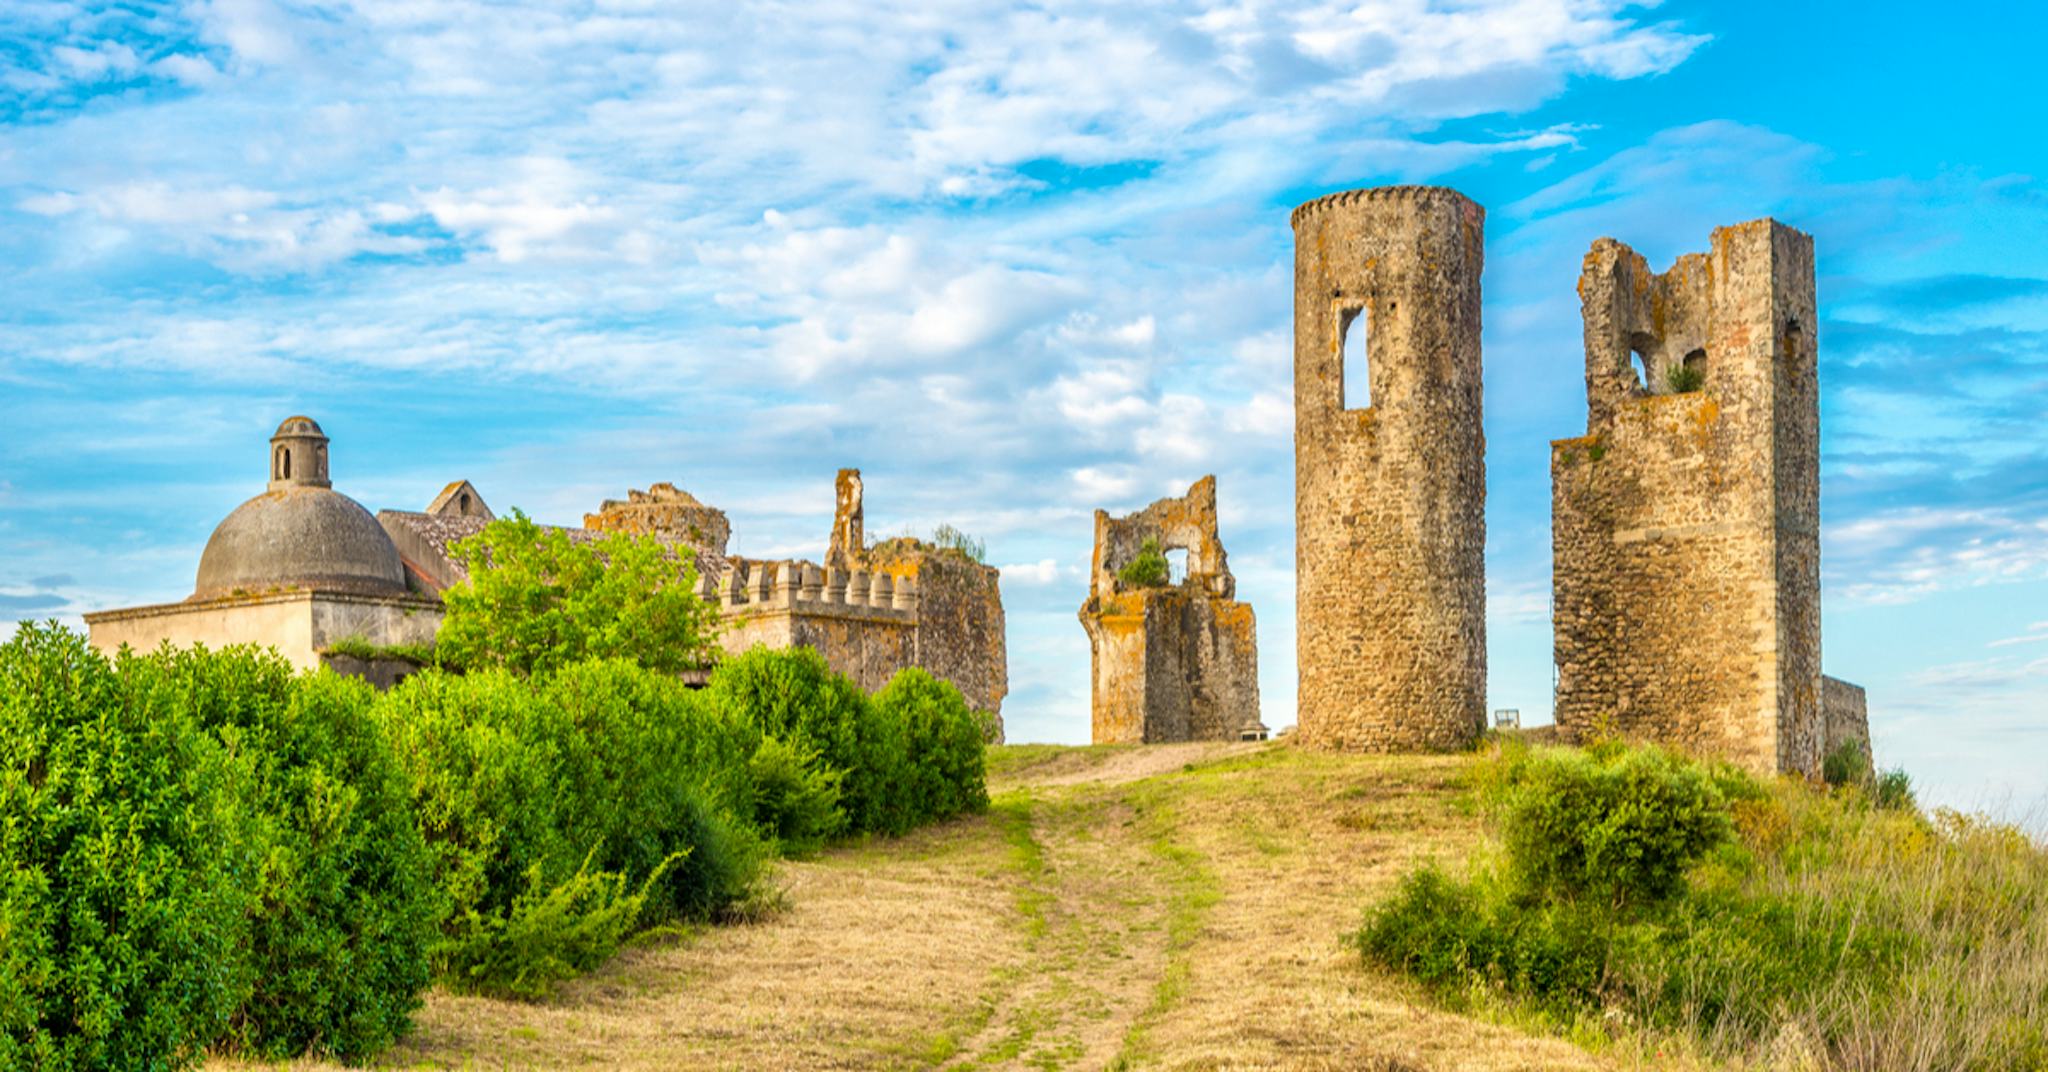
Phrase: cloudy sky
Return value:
(1016, 264)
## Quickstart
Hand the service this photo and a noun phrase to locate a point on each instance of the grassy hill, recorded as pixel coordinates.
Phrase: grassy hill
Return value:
(1178, 906)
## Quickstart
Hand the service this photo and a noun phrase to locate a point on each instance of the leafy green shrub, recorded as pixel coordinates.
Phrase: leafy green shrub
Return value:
(796, 799)
(348, 902)
(127, 872)
(1620, 828)
(651, 768)
(1686, 378)
(793, 696)
(544, 801)
(536, 601)
(945, 761)
(1878, 937)
(1894, 790)
(553, 932)
(1846, 764)
(1147, 569)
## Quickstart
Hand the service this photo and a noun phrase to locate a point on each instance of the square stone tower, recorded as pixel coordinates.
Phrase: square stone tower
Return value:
(1686, 522)
(1390, 490)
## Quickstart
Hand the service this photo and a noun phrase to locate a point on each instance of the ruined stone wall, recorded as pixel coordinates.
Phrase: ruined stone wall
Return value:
(1845, 716)
(959, 634)
(1177, 662)
(667, 511)
(1685, 524)
(1390, 498)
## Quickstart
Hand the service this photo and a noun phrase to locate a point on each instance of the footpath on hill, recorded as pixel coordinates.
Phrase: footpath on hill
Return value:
(1176, 906)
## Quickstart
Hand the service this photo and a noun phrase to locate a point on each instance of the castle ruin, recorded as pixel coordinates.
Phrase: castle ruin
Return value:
(873, 610)
(1390, 489)
(1172, 661)
(1686, 521)
(303, 568)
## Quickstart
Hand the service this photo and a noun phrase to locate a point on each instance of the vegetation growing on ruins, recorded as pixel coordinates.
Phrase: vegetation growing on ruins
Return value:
(1685, 378)
(537, 600)
(948, 538)
(1147, 569)
(359, 647)
(1639, 893)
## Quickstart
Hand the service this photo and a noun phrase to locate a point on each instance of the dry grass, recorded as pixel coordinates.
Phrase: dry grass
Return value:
(1169, 907)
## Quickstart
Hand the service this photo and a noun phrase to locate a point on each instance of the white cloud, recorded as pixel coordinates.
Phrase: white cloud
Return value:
(1043, 571)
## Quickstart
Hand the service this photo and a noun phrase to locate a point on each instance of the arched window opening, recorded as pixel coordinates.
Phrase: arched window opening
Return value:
(1640, 366)
(465, 502)
(1176, 565)
(1690, 374)
(1355, 358)
(284, 471)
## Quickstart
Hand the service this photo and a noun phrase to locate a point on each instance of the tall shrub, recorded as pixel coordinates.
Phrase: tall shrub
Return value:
(792, 695)
(651, 769)
(127, 872)
(567, 811)
(348, 904)
(944, 766)
(536, 601)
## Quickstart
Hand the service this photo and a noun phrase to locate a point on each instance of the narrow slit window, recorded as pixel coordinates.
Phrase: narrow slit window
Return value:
(1356, 358)
(284, 465)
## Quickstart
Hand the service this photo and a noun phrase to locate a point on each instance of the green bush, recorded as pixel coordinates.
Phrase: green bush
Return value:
(348, 901)
(1886, 940)
(651, 768)
(793, 696)
(1846, 764)
(1619, 826)
(545, 801)
(128, 874)
(536, 601)
(552, 932)
(1894, 790)
(945, 760)
(796, 799)
(1686, 378)
(1148, 569)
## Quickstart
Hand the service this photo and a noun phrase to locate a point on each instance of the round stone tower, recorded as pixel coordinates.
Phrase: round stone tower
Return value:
(1390, 488)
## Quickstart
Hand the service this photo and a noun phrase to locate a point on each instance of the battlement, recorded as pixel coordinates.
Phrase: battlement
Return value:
(1347, 198)
(752, 586)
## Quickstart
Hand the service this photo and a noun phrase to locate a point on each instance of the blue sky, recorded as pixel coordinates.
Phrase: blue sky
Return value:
(1015, 264)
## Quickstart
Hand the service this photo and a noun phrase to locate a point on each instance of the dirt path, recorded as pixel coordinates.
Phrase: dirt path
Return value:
(1161, 907)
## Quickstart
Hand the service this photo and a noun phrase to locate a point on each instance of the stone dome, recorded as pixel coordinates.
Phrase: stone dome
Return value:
(300, 533)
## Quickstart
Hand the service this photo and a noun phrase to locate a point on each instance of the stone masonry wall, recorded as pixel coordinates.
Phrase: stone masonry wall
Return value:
(1390, 498)
(1172, 663)
(1845, 712)
(872, 611)
(1685, 525)
(668, 511)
